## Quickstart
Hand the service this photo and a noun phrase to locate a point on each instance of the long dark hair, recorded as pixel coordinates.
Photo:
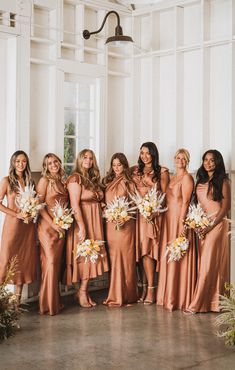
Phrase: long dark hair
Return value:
(153, 151)
(216, 181)
(13, 178)
(111, 174)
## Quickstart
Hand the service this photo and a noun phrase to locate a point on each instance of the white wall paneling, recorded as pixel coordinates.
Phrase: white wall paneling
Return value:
(167, 110)
(220, 101)
(192, 106)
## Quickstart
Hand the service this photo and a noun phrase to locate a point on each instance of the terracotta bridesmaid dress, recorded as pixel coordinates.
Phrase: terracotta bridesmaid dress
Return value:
(177, 279)
(147, 234)
(213, 259)
(121, 247)
(51, 249)
(18, 239)
(90, 203)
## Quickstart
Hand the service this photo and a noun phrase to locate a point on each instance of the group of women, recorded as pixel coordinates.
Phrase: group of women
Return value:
(135, 252)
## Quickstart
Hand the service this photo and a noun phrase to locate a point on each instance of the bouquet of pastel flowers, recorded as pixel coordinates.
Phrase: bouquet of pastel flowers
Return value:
(197, 218)
(119, 211)
(27, 200)
(89, 249)
(62, 217)
(177, 249)
(152, 202)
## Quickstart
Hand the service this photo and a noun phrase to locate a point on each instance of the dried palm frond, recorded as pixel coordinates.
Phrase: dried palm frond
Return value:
(226, 319)
(9, 311)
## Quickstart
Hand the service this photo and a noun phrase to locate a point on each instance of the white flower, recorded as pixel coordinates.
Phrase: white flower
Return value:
(118, 211)
(197, 218)
(151, 203)
(177, 249)
(90, 250)
(27, 200)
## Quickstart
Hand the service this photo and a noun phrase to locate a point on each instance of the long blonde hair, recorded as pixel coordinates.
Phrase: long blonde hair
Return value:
(186, 154)
(45, 172)
(90, 178)
(13, 178)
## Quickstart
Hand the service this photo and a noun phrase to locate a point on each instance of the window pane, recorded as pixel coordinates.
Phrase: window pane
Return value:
(69, 128)
(69, 150)
(70, 122)
(85, 98)
(68, 169)
(85, 124)
(70, 94)
(85, 143)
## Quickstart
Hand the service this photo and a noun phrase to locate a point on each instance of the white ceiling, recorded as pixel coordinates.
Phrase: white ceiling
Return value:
(137, 3)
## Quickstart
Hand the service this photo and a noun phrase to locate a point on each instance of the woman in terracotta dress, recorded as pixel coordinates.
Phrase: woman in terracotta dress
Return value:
(85, 192)
(176, 282)
(148, 174)
(213, 193)
(51, 188)
(121, 243)
(18, 238)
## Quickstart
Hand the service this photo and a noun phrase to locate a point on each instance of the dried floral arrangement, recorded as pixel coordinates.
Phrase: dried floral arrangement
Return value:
(9, 308)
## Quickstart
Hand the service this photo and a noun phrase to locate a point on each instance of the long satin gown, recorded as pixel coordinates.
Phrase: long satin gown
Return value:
(18, 239)
(177, 279)
(51, 250)
(213, 259)
(147, 234)
(76, 268)
(121, 247)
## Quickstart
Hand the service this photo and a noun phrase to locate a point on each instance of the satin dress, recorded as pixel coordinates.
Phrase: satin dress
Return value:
(147, 234)
(176, 279)
(51, 250)
(18, 239)
(90, 203)
(121, 247)
(213, 259)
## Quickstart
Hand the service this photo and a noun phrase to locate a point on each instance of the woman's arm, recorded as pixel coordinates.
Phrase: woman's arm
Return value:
(75, 191)
(225, 207)
(187, 189)
(3, 192)
(41, 190)
(165, 178)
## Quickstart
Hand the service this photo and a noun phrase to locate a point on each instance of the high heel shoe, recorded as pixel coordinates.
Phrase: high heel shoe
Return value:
(187, 311)
(148, 302)
(144, 292)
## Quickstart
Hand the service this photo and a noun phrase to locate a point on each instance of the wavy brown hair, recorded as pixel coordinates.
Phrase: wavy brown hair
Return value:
(13, 178)
(90, 178)
(45, 172)
(111, 174)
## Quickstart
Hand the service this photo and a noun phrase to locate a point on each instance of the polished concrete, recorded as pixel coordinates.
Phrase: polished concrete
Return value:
(137, 337)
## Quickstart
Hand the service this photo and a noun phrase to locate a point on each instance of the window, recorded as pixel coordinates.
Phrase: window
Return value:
(81, 120)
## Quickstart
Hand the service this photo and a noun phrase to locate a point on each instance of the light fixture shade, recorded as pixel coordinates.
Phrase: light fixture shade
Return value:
(118, 40)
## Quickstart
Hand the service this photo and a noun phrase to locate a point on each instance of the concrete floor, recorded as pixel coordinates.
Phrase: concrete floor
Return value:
(137, 337)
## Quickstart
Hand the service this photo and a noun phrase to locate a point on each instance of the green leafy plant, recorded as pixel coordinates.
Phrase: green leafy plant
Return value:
(9, 311)
(69, 143)
(69, 128)
(226, 319)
